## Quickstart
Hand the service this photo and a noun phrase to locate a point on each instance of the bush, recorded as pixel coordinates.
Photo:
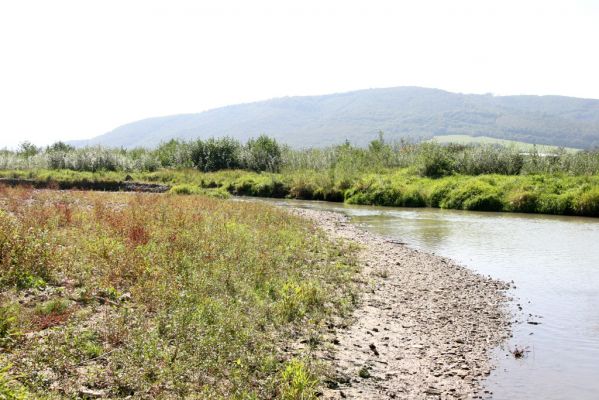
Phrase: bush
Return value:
(185, 189)
(478, 160)
(263, 154)
(9, 388)
(412, 197)
(587, 203)
(54, 306)
(435, 161)
(174, 154)
(522, 201)
(473, 195)
(9, 324)
(216, 154)
(439, 191)
(558, 204)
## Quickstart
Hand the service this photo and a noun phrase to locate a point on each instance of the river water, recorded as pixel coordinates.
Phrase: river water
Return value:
(554, 264)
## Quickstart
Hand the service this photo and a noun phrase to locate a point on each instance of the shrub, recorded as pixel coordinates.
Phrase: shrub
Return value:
(185, 189)
(55, 306)
(487, 159)
(302, 189)
(473, 195)
(9, 388)
(439, 191)
(551, 203)
(413, 197)
(9, 324)
(216, 154)
(263, 154)
(587, 203)
(522, 201)
(434, 161)
(296, 300)
(174, 154)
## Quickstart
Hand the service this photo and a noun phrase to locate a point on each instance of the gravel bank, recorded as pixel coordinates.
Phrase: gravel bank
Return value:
(424, 327)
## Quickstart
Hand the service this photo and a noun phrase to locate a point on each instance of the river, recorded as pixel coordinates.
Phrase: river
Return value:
(554, 264)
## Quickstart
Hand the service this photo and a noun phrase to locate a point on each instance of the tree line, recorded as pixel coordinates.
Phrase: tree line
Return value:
(265, 154)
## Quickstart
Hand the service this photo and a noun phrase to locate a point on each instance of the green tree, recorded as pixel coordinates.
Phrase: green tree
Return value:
(28, 149)
(60, 147)
(264, 154)
(216, 154)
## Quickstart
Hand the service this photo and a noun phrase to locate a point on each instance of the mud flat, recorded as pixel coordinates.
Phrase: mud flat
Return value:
(424, 328)
(104, 186)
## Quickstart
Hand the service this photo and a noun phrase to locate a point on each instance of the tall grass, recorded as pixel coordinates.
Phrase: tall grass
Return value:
(261, 154)
(475, 177)
(164, 296)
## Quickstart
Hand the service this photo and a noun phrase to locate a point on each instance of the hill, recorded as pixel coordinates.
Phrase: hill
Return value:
(402, 112)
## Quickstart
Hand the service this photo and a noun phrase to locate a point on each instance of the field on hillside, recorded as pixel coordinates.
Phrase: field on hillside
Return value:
(521, 146)
(162, 296)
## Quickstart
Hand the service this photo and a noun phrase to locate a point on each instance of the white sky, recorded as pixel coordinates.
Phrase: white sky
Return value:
(77, 69)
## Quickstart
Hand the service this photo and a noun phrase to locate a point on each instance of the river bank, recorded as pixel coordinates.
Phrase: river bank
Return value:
(424, 328)
(538, 194)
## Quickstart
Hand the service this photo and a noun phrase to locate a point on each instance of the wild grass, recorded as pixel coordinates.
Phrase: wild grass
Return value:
(534, 193)
(402, 174)
(161, 296)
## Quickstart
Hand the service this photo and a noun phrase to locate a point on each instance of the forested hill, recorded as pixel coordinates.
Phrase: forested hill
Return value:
(402, 112)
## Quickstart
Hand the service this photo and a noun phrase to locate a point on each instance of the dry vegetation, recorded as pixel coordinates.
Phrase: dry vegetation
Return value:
(163, 296)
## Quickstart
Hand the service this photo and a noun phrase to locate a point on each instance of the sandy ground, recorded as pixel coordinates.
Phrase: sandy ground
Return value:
(424, 328)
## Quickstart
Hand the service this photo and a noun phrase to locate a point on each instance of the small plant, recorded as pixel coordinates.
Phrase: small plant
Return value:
(364, 373)
(185, 189)
(9, 323)
(519, 352)
(9, 388)
(87, 344)
(298, 299)
(297, 383)
(54, 306)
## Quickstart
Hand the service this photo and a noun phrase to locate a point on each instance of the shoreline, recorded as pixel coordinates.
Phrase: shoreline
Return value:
(553, 194)
(424, 327)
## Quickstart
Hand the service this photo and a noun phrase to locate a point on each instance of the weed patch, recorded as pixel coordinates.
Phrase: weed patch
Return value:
(164, 295)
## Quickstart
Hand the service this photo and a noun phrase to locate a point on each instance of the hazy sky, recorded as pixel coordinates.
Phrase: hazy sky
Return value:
(76, 69)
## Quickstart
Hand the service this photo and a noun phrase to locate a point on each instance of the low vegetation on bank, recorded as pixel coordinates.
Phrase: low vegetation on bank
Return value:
(547, 194)
(163, 296)
(473, 177)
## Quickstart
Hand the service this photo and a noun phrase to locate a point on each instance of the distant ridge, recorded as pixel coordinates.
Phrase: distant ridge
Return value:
(358, 116)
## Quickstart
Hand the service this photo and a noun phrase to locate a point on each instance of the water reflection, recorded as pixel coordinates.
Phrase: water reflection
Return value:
(429, 232)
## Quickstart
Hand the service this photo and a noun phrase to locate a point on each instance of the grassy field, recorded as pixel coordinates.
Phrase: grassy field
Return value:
(540, 193)
(163, 296)
(522, 146)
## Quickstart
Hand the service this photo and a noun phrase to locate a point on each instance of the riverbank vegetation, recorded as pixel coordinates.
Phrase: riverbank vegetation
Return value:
(163, 296)
(473, 177)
